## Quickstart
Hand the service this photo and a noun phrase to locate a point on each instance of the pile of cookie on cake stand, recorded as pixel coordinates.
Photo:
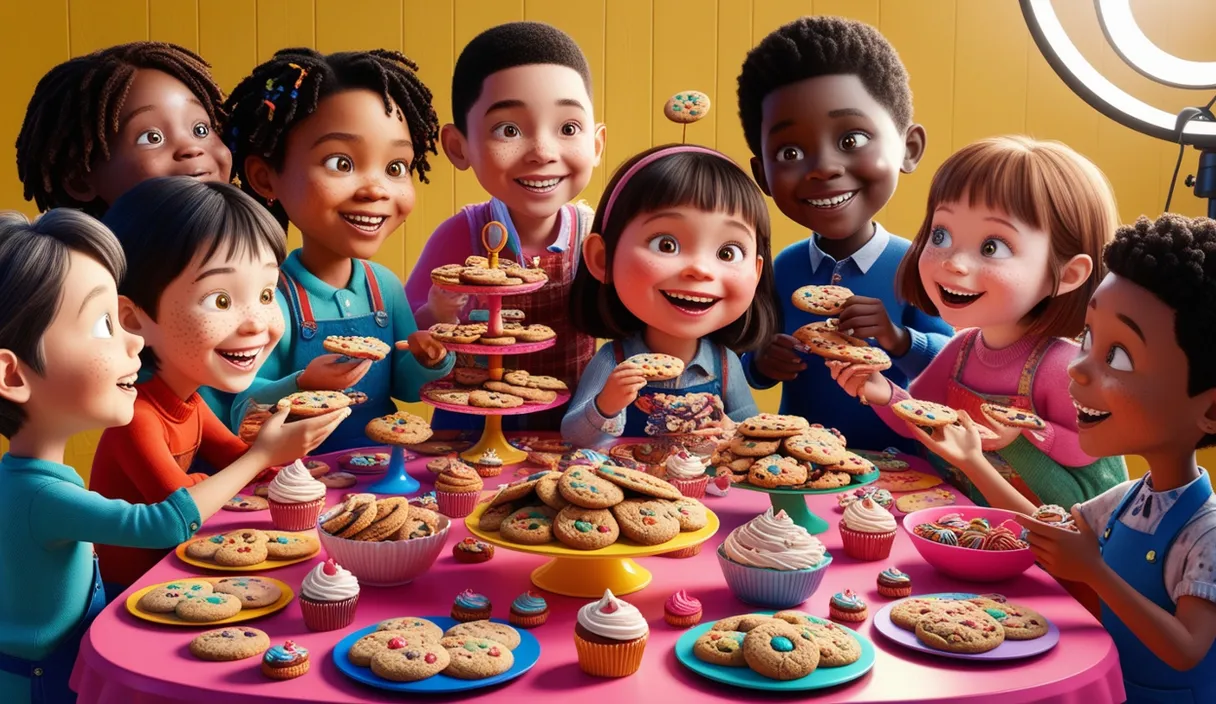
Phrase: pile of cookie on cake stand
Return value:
(492, 279)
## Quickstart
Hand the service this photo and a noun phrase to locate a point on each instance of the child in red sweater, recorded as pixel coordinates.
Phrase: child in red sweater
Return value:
(204, 261)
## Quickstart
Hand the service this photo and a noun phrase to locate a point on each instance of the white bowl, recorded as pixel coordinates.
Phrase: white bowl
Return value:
(387, 563)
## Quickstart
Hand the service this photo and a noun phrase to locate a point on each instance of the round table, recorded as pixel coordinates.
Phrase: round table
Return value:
(123, 659)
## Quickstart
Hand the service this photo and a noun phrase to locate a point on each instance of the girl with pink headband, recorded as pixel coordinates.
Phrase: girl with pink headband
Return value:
(678, 264)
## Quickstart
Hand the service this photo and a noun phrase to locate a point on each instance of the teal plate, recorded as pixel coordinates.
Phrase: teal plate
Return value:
(744, 677)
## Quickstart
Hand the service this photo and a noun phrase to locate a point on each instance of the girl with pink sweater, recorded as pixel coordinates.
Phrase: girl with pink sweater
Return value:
(1006, 255)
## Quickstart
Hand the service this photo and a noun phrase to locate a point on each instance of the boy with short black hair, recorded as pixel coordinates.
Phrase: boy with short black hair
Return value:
(827, 112)
(1145, 384)
(522, 119)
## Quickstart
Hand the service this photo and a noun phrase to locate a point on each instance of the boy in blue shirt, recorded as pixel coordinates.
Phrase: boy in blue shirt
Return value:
(827, 113)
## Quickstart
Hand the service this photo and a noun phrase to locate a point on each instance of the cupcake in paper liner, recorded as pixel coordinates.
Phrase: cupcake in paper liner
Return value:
(471, 606)
(686, 472)
(296, 498)
(328, 597)
(867, 530)
(682, 610)
(529, 610)
(489, 464)
(772, 561)
(610, 637)
(457, 489)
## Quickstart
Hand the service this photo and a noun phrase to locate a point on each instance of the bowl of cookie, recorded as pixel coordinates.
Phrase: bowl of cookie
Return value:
(382, 541)
(972, 543)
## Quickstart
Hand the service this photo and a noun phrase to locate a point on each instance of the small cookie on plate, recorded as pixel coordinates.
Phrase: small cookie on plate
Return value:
(1019, 622)
(821, 300)
(646, 521)
(852, 464)
(742, 623)
(457, 334)
(771, 425)
(447, 274)
(313, 403)
(926, 414)
(776, 471)
(778, 651)
(338, 480)
(364, 649)
(453, 397)
(658, 367)
(493, 399)
(720, 648)
(409, 663)
(910, 503)
(535, 333)
(639, 481)
(491, 630)
(283, 545)
(816, 447)
(686, 107)
(547, 492)
(499, 341)
(823, 478)
(524, 392)
(242, 548)
(585, 528)
(547, 383)
(232, 643)
(531, 525)
(165, 597)
(1012, 417)
(204, 609)
(516, 377)
(492, 517)
(743, 446)
(412, 625)
(357, 347)
(252, 592)
(582, 487)
(246, 503)
(971, 633)
(476, 658)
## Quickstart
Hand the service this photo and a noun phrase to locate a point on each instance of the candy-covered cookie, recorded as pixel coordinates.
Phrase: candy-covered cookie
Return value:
(357, 347)
(585, 528)
(926, 414)
(1012, 417)
(313, 403)
(647, 522)
(686, 107)
(582, 487)
(658, 367)
(821, 300)
(165, 597)
(720, 648)
(252, 592)
(229, 644)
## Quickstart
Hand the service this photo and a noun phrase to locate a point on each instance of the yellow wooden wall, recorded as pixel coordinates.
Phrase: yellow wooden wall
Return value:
(975, 72)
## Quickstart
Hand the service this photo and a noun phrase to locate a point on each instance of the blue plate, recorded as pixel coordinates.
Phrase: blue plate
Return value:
(526, 656)
(821, 678)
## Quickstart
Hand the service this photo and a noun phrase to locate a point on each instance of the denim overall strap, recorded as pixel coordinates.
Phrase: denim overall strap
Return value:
(636, 416)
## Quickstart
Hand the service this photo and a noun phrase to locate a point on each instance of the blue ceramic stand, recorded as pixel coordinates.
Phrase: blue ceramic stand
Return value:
(396, 479)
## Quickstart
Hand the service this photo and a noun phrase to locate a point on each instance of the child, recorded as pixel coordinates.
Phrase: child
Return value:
(523, 121)
(827, 112)
(1144, 383)
(99, 124)
(677, 265)
(205, 260)
(67, 367)
(1006, 253)
(331, 143)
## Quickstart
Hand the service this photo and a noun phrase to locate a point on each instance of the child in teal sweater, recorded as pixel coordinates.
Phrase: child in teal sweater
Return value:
(66, 367)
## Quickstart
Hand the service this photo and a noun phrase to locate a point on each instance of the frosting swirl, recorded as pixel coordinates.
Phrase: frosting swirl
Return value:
(683, 465)
(469, 599)
(893, 575)
(295, 485)
(329, 581)
(681, 604)
(613, 619)
(774, 542)
(866, 516)
(847, 600)
(529, 603)
(289, 652)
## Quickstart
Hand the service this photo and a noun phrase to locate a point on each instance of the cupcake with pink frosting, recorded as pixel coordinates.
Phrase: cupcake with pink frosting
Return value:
(610, 637)
(328, 597)
(867, 530)
(772, 561)
(682, 610)
(296, 498)
(686, 472)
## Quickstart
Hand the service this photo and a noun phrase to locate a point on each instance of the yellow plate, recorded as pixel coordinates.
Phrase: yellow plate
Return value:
(621, 548)
(259, 567)
(243, 615)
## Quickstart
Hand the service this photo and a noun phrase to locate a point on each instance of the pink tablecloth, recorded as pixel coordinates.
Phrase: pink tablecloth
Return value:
(129, 661)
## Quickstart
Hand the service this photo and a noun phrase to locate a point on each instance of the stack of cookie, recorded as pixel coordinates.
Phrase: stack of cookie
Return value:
(512, 333)
(365, 518)
(968, 626)
(245, 547)
(775, 451)
(476, 271)
(788, 645)
(198, 600)
(825, 338)
(474, 387)
(588, 507)
(409, 649)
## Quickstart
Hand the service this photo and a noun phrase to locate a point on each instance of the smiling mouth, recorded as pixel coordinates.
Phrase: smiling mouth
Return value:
(955, 298)
(366, 223)
(243, 360)
(127, 383)
(540, 185)
(832, 203)
(691, 303)
(1088, 417)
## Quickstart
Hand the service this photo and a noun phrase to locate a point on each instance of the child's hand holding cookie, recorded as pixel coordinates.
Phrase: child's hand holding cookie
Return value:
(620, 390)
(332, 372)
(867, 318)
(281, 443)
(1063, 553)
(426, 349)
(958, 443)
(863, 382)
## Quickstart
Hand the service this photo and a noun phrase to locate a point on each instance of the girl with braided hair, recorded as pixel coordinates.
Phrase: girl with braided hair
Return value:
(331, 143)
(99, 124)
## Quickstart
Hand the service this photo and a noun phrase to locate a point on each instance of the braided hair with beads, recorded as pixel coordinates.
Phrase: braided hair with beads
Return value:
(76, 109)
(288, 88)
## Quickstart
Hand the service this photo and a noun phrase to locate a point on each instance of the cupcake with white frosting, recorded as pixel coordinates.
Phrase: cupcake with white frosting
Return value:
(686, 472)
(328, 597)
(867, 530)
(296, 498)
(772, 561)
(610, 637)
(489, 464)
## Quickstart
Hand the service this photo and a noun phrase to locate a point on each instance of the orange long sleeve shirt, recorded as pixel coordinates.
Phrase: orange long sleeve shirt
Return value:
(149, 458)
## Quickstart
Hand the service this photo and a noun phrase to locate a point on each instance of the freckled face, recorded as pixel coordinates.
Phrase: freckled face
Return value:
(982, 267)
(218, 320)
(686, 272)
(91, 362)
(532, 138)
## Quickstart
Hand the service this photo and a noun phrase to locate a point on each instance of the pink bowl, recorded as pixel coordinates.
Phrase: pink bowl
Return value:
(966, 563)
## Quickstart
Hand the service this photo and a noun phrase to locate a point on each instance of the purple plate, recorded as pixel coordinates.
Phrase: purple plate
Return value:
(1009, 650)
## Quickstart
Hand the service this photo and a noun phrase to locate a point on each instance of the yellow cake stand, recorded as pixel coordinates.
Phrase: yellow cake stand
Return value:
(587, 573)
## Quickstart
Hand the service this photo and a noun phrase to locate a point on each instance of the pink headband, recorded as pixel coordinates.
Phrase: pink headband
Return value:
(647, 161)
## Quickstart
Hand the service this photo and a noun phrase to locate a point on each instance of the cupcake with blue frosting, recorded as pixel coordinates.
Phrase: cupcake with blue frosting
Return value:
(471, 606)
(529, 610)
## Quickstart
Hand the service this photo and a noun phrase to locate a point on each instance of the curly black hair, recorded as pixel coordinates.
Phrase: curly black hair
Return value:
(810, 47)
(507, 46)
(76, 107)
(288, 88)
(1174, 258)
